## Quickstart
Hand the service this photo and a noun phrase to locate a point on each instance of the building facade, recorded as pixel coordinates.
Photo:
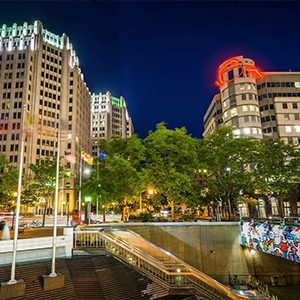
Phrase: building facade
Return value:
(110, 118)
(264, 105)
(42, 89)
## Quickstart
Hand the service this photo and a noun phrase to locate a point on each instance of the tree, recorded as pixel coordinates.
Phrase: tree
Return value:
(170, 163)
(277, 169)
(225, 166)
(113, 179)
(44, 181)
(8, 182)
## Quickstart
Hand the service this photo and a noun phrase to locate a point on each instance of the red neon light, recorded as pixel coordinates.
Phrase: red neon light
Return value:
(231, 63)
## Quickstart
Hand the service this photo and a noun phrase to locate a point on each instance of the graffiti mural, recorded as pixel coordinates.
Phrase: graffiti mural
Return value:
(279, 240)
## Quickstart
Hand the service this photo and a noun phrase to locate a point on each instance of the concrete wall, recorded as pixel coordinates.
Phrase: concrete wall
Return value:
(213, 248)
(264, 266)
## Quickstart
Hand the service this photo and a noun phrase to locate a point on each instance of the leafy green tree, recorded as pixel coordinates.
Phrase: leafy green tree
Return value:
(171, 159)
(225, 167)
(8, 185)
(113, 179)
(277, 169)
(44, 181)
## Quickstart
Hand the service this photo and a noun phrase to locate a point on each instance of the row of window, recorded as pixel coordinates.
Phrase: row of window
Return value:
(294, 105)
(49, 95)
(268, 118)
(18, 84)
(51, 68)
(51, 50)
(270, 129)
(12, 57)
(50, 77)
(51, 59)
(273, 95)
(278, 84)
(4, 126)
(44, 142)
(287, 117)
(50, 86)
(8, 95)
(11, 66)
(247, 131)
(9, 75)
(5, 116)
(50, 104)
(7, 105)
(45, 152)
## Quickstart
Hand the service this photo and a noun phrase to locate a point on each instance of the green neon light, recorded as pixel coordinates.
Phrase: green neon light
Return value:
(117, 102)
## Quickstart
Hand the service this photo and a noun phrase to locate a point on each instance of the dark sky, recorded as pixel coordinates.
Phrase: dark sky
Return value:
(163, 56)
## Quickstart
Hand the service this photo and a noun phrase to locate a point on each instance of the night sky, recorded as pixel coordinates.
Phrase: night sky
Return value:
(163, 56)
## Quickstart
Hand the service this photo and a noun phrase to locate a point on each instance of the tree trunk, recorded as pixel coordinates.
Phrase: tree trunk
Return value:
(268, 207)
(44, 213)
(280, 207)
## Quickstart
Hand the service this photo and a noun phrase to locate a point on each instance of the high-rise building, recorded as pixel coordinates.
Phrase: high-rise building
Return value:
(110, 118)
(264, 105)
(42, 87)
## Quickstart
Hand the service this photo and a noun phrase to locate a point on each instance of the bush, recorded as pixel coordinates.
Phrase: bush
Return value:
(143, 217)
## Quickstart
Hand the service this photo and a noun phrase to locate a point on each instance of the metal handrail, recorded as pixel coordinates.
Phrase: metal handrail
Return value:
(192, 278)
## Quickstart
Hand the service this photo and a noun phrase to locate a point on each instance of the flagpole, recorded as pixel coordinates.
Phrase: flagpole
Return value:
(53, 273)
(62, 197)
(14, 256)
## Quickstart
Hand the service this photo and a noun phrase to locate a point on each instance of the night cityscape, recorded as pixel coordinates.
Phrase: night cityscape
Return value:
(149, 150)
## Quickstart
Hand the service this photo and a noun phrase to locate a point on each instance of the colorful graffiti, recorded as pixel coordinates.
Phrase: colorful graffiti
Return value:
(279, 240)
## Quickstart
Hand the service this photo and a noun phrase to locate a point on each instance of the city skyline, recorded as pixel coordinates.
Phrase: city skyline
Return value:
(163, 57)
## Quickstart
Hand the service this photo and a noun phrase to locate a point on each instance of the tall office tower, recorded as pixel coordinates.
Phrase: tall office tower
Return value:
(42, 88)
(109, 118)
(213, 115)
(258, 104)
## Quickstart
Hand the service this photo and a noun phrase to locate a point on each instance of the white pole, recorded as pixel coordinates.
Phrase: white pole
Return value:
(62, 197)
(13, 264)
(53, 273)
(80, 180)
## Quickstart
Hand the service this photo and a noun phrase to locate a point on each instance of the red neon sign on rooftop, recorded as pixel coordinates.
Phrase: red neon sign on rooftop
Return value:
(247, 69)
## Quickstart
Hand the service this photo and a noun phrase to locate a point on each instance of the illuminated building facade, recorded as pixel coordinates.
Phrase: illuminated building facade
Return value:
(264, 105)
(42, 88)
(110, 118)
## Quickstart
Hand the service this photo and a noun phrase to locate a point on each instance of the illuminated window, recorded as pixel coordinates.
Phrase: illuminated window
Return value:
(288, 128)
(247, 130)
(297, 127)
(245, 108)
(242, 86)
(286, 117)
(254, 130)
(233, 112)
(225, 114)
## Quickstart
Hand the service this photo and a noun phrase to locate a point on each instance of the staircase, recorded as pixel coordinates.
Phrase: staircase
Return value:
(174, 275)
